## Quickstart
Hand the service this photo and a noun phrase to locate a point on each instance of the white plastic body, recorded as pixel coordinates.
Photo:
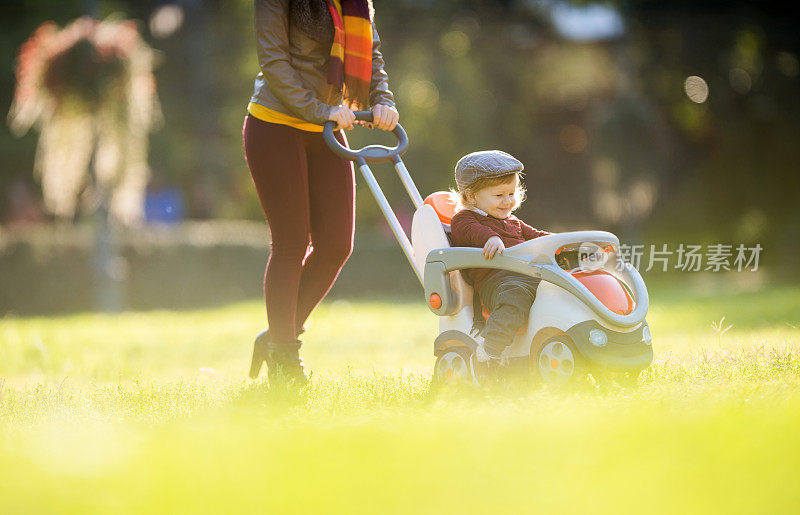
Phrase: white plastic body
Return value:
(554, 306)
(557, 308)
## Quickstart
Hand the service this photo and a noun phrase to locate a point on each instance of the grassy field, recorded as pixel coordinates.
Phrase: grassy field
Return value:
(151, 412)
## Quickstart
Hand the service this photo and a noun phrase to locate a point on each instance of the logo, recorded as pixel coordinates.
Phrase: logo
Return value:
(591, 257)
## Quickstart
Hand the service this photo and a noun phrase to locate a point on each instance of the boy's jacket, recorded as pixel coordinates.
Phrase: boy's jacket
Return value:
(472, 229)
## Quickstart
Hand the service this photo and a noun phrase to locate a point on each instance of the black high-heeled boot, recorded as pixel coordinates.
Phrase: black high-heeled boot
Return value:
(284, 365)
(261, 352)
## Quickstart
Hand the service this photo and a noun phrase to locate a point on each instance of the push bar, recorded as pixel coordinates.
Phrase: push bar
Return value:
(370, 153)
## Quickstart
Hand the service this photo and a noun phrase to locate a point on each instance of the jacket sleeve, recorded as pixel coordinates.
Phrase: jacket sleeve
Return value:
(530, 233)
(379, 92)
(468, 232)
(272, 36)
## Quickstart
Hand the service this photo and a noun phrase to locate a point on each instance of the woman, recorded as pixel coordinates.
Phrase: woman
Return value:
(318, 58)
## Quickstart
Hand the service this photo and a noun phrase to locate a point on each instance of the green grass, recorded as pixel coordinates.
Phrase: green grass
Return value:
(146, 412)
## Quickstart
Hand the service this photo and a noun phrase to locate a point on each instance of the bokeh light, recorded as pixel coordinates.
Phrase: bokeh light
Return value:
(696, 89)
(787, 64)
(573, 139)
(740, 80)
(165, 20)
(606, 172)
(420, 93)
(455, 43)
(642, 196)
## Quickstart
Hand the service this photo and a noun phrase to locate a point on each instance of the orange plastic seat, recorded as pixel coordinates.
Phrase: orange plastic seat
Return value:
(445, 204)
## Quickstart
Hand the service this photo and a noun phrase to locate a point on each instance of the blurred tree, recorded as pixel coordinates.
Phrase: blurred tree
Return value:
(89, 90)
(18, 21)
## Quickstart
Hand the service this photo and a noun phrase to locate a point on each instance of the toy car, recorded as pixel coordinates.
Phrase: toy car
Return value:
(589, 313)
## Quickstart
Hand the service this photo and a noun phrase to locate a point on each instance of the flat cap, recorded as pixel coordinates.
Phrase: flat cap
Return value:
(486, 163)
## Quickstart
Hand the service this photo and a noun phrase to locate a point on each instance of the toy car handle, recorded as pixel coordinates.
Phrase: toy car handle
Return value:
(440, 262)
(370, 153)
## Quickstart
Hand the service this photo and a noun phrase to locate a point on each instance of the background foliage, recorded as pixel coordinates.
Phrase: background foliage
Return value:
(609, 136)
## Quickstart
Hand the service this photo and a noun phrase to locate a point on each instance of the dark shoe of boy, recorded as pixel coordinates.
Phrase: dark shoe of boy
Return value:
(488, 365)
(488, 353)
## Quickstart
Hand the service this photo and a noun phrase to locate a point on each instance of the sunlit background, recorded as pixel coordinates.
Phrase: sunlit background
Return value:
(663, 122)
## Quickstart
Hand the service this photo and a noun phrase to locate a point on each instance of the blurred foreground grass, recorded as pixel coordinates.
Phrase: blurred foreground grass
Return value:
(151, 412)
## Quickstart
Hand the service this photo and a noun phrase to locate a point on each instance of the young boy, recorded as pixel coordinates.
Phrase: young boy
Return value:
(489, 187)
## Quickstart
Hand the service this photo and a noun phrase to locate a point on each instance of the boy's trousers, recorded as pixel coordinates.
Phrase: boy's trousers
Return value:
(509, 297)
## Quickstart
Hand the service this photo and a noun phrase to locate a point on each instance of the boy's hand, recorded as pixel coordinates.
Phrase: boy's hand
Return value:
(493, 246)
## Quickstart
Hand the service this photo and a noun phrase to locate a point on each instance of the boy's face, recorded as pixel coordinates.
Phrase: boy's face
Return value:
(498, 200)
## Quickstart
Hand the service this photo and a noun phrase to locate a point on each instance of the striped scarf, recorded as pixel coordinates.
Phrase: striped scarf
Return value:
(350, 68)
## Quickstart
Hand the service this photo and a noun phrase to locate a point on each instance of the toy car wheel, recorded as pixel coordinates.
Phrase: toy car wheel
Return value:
(557, 362)
(455, 365)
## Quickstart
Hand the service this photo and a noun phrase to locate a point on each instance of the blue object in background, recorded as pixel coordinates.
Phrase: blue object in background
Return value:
(164, 205)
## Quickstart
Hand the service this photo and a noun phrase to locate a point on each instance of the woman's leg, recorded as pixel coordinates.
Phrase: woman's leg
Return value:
(331, 193)
(277, 160)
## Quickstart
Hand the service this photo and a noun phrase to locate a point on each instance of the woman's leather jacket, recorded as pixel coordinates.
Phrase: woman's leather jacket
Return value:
(294, 67)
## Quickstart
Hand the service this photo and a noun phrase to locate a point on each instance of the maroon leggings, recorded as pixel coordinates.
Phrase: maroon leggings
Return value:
(308, 196)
